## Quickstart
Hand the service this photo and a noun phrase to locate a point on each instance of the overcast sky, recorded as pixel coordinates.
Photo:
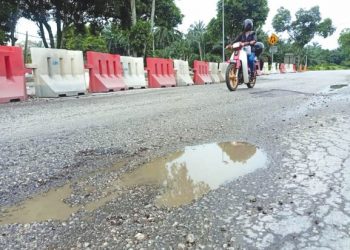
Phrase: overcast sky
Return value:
(337, 10)
(205, 10)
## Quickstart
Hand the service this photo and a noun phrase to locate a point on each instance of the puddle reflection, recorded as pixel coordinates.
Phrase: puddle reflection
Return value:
(182, 177)
(188, 175)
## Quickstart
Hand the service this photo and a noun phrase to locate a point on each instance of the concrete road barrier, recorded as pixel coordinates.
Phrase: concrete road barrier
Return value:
(182, 73)
(58, 72)
(273, 68)
(266, 70)
(214, 72)
(133, 72)
(222, 71)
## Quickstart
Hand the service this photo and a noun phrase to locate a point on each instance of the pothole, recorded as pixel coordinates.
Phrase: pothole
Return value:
(182, 177)
(188, 175)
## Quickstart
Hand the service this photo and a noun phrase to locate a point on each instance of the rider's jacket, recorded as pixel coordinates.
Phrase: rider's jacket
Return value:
(251, 36)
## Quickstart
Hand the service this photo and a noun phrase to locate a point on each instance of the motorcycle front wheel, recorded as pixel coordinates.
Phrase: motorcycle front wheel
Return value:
(232, 77)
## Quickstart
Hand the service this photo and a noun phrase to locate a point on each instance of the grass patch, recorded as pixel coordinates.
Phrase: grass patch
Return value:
(327, 67)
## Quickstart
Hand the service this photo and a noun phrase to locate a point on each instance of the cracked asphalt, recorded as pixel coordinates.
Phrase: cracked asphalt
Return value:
(79, 149)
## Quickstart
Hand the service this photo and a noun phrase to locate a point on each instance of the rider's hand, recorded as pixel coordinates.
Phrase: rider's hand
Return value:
(229, 46)
(242, 44)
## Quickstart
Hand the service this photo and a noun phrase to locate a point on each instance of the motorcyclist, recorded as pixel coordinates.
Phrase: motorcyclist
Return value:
(248, 39)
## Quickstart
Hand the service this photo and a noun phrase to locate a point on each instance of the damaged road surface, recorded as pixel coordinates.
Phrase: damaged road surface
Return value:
(182, 168)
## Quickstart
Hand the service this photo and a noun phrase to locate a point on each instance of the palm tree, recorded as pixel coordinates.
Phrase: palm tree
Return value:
(164, 36)
(196, 35)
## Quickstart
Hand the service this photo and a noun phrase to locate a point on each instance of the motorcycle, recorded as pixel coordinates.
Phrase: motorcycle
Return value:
(238, 71)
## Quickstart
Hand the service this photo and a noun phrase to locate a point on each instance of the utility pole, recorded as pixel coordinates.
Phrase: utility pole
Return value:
(26, 49)
(152, 24)
(272, 57)
(223, 30)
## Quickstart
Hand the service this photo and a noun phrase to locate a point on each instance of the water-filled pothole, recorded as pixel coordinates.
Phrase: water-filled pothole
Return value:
(47, 206)
(181, 177)
(188, 175)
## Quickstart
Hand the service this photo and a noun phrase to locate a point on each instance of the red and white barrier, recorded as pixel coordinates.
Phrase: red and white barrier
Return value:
(201, 73)
(12, 71)
(160, 73)
(106, 73)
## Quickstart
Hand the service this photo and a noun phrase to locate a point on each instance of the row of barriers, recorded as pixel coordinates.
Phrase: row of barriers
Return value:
(276, 68)
(59, 73)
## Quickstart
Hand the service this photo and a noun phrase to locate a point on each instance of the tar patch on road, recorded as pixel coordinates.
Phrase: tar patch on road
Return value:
(338, 86)
(279, 92)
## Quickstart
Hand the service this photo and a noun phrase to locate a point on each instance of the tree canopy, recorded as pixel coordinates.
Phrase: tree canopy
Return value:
(236, 12)
(63, 14)
(307, 24)
(9, 15)
(344, 49)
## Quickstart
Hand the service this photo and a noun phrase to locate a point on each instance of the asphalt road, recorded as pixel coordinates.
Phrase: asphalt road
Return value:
(86, 173)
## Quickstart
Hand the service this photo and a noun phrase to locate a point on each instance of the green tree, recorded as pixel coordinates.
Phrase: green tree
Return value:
(344, 40)
(9, 15)
(196, 35)
(62, 14)
(117, 40)
(164, 37)
(164, 15)
(344, 49)
(307, 24)
(236, 12)
(140, 38)
(86, 41)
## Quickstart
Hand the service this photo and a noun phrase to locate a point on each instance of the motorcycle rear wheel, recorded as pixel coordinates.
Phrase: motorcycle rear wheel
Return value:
(252, 84)
(232, 77)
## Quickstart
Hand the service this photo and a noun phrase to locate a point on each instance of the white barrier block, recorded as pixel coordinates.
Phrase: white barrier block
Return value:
(222, 71)
(289, 68)
(278, 65)
(266, 70)
(214, 72)
(58, 72)
(274, 68)
(133, 72)
(182, 70)
(87, 79)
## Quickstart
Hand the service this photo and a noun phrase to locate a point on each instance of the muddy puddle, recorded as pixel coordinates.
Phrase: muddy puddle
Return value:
(181, 178)
(53, 205)
(48, 206)
(188, 175)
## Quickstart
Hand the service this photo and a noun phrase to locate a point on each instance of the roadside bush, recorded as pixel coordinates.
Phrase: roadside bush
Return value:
(327, 67)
